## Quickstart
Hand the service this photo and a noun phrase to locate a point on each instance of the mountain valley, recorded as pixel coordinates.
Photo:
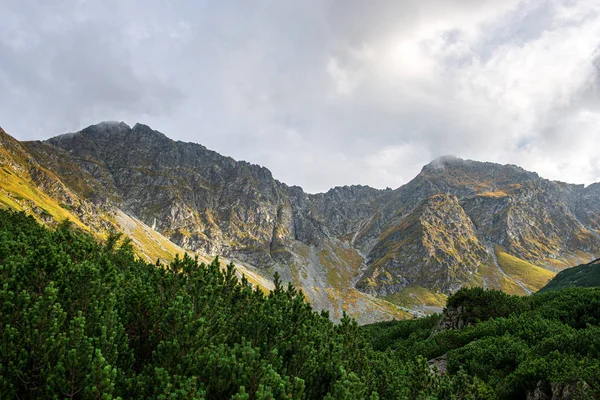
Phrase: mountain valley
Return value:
(377, 254)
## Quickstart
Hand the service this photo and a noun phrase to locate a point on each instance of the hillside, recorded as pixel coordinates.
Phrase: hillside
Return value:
(585, 275)
(544, 346)
(96, 205)
(87, 320)
(352, 248)
(434, 246)
(84, 319)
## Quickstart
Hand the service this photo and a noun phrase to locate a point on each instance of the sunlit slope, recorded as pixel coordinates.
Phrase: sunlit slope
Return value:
(530, 275)
(19, 191)
(27, 186)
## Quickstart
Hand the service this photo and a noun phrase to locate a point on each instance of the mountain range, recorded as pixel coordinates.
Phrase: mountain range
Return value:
(377, 254)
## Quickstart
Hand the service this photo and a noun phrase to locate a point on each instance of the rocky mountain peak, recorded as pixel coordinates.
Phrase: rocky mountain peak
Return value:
(435, 246)
(438, 232)
(450, 165)
(353, 192)
(145, 130)
(108, 130)
(442, 162)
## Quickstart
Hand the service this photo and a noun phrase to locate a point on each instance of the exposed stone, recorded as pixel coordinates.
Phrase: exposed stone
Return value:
(452, 318)
(435, 246)
(435, 231)
(560, 391)
(439, 365)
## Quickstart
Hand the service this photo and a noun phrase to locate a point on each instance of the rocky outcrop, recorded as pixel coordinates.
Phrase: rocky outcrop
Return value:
(204, 201)
(560, 391)
(542, 222)
(452, 318)
(531, 217)
(439, 365)
(111, 177)
(435, 246)
(34, 188)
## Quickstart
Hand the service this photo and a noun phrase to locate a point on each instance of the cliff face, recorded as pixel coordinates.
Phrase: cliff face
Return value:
(531, 217)
(439, 232)
(435, 246)
(170, 197)
(197, 198)
(207, 202)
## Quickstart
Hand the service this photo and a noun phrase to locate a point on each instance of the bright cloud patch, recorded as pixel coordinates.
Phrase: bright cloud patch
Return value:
(323, 93)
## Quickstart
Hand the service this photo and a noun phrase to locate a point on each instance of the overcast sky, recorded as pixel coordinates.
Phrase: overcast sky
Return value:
(324, 93)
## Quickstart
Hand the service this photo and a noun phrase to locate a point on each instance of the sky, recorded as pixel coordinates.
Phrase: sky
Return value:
(324, 93)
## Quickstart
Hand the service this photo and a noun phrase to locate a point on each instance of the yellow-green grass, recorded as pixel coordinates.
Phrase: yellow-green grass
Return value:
(20, 193)
(150, 244)
(496, 194)
(511, 287)
(532, 276)
(415, 296)
(16, 192)
(494, 279)
(576, 258)
(356, 303)
(556, 263)
(386, 306)
(255, 279)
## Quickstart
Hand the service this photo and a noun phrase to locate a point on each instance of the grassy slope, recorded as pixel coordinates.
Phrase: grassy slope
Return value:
(532, 276)
(494, 279)
(152, 244)
(20, 193)
(417, 296)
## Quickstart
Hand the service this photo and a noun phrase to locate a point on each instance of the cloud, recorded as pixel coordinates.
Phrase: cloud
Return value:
(323, 93)
(61, 68)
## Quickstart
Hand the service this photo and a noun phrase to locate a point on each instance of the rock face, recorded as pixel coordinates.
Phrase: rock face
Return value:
(560, 391)
(543, 222)
(207, 202)
(434, 246)
(170, 197)
(453, 318)
(437, 231)
(531, 217)
(439, 365)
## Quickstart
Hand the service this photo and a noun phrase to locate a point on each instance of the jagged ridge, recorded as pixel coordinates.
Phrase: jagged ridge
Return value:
(411, 236)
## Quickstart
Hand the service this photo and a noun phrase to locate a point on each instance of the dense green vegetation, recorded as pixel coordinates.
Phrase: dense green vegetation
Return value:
(81, 319)
(86, 320)
(514, 344)
(586, 275)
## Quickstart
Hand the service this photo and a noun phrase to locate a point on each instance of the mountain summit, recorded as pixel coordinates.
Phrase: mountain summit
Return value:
(458, 223)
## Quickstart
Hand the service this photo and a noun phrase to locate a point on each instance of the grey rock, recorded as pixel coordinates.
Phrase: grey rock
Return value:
(452, 318)
(560, 391)
(435, 231)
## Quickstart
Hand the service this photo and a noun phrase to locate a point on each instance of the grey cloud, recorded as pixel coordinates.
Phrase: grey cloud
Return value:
(323, 93)
(70, 70)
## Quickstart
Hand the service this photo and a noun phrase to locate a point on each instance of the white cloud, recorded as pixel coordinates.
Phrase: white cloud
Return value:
(323, 93)
(345, 80)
